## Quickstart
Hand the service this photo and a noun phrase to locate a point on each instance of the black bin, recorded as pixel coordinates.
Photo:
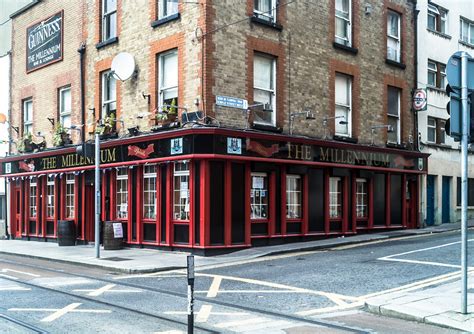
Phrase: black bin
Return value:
(110, 242)
(66, 233)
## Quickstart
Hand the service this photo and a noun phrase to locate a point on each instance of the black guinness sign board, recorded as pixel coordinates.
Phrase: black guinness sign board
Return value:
(44, 42)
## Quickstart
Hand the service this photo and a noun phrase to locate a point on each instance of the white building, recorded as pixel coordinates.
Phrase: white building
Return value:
(444, 27)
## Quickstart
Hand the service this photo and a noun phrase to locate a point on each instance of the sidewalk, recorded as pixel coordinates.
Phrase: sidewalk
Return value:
(142, 260)
(437, 305)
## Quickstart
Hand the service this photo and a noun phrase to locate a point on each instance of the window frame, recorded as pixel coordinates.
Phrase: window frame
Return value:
(105, 18)
(27, 122)
(273, 89)
(431, 128)
(396, 39)
(106, 102)
(152, 193)
(337, 194)
(33, 198)
(70, 212)
(270, 16)
(50, 185)
(261, 204)
(398, 116)
(469, 37)
(348, 22)
(161, 76)
(365, 196)
(438, 70)
(122, 193)
(298, 196)
(68, 113)
(348, 108)
(160, 6)
(180, 175)
(440, 16)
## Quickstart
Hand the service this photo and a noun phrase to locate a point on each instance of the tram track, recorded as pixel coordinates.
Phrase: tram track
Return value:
(22, 324)
(203, 299)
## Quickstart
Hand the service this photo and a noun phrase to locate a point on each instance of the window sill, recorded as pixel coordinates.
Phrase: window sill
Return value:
(438, 33)
(466, 44)
(103, 44)
(436, 89)
(274, 25)
(395, 63)
(395, 145)
(443, 146)
(266, 127)
(345, 139)
(165, 20)
(349, 49)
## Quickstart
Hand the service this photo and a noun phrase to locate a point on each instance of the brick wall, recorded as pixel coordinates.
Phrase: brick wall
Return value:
(42, 85)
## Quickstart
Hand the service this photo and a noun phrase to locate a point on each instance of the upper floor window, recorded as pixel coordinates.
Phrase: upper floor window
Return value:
(265, 9)
(393, 36)
(437, 18)
(109, 19)
(168, 79)
(264, 89)
(393, 115)
(466, 31)
(65, 107)
(343, 105)
(109, 98)
(27, 116)
(436, 74)
(167, 8)
(436, 130)
(343, 22)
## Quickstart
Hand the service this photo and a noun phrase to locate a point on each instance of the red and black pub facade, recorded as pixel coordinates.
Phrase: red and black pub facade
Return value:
(212, 188)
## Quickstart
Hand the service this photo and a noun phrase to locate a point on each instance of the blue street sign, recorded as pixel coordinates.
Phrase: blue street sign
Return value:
(453, 71)
(231, 102)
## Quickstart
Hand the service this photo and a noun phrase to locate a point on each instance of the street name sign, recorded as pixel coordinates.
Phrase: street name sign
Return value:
(231, 102)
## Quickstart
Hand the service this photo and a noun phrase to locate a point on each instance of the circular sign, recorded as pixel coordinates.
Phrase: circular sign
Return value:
(419, 99)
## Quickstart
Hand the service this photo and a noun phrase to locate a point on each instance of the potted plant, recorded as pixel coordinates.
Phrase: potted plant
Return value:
(107, 128)
(166, 116)
(61, 137)
(25, 144)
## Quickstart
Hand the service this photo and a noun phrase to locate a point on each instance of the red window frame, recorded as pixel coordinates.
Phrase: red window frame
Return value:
(141, 194)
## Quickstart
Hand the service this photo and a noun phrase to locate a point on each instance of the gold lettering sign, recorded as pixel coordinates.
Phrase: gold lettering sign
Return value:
(300, 152)
(350, 157)
(74, 160)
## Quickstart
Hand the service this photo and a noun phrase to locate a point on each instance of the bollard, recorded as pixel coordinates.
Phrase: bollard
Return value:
(190, 294)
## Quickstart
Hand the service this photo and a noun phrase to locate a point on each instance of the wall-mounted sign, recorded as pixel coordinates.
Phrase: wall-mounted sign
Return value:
(231, 102)
(419, 100)
(177, 145)
(140, 152)
(44, 42)
(8, 168)
(234, 145)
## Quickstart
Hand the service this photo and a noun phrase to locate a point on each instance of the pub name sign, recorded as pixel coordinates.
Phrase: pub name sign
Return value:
(44, 42)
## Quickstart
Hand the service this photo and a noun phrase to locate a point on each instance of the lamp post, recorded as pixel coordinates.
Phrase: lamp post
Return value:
(376, 127)
(308, 114)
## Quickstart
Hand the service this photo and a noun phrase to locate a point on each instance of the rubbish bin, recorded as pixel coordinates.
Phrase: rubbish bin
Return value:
(113, 238)
(66, 233)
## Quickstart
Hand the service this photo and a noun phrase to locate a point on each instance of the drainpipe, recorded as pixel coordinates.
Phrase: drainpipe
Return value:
(8, 217)
(415, 65)
(82, 54)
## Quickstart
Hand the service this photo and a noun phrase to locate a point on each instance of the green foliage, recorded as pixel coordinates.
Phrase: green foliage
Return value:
(59, 136)
(25, 143)
(108, 125)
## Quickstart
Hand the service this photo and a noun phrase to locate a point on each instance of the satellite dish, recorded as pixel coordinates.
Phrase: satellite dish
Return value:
(123, 66)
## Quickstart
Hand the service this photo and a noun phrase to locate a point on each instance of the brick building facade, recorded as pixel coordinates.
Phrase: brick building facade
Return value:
(340, 72)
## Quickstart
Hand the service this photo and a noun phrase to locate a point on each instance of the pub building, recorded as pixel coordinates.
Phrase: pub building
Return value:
(211, 188)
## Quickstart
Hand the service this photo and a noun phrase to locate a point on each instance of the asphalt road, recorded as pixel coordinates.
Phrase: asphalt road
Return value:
(309, 292)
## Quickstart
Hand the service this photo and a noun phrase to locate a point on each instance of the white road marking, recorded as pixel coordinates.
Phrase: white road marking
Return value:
(57, 313)
(173, 331)
(204, 313)
(252, 291)
(214, 289)
(336, 298)
(8, 276)
(6, 270)
(330, 309)
(106, 288)
(14, 288)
